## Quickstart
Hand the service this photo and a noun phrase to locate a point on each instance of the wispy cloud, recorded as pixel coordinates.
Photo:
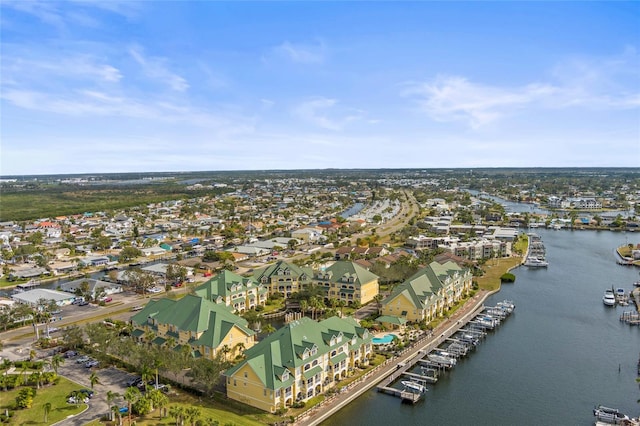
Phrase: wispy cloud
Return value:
(156, 68)
(326, 113)
(603, 83)
(452, 98)
(62, 14)
(313, 53)
(36, 68)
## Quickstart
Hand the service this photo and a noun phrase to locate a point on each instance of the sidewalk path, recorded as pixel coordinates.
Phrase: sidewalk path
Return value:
(333, 404)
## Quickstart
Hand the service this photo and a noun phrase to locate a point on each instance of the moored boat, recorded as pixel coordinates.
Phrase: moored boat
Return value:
(609, 299)
(414, 386)
(536, 262)
(609, 415)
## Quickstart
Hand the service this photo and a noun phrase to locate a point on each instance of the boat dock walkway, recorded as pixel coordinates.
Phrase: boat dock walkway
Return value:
(411, 397)
(432, 359)
(320, 413)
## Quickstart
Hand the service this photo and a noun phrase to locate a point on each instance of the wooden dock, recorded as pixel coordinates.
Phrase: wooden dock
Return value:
(411, 397)
(630, 317)
(419, 377)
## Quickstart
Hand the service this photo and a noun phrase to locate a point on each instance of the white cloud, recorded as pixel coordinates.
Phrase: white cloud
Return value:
(156, 68)
(452, 98)
(598, 84)
(34, 67)
(325, 113)
(302, 53)
(60, 15)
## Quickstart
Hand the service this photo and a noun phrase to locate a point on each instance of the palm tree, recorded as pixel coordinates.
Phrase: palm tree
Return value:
(146, 374)
(35, 377)
(178, 413)
(6, 365)
(161, 401)
(269, 328)
(56, 361)
(378, 299)
(94, 379)
(192, 414)
(225, 350)
(341, 305)
(111, 396)
(132, 395)
(304, 305)
(23, 372)
(47, 410)
(116, 410)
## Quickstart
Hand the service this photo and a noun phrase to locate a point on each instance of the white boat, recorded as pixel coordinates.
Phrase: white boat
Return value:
(536, 262)
(442, 360)
(414, 386)
(609, 298)
(609, 415)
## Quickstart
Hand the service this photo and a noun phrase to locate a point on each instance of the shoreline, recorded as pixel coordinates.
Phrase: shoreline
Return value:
(333, 405)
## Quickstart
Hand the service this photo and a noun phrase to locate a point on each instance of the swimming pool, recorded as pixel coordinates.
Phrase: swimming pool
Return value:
(382, 340)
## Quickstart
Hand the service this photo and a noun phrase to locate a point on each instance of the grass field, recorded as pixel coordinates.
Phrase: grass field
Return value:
(55, 394)
(225, 412)
(493, 270)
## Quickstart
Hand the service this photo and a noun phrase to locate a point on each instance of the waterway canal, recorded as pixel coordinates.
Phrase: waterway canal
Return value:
(558, 355)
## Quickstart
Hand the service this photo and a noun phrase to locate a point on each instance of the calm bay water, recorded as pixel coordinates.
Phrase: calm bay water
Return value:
(561, 353)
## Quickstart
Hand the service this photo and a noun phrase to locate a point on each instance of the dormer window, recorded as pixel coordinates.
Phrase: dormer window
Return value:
(285, 376)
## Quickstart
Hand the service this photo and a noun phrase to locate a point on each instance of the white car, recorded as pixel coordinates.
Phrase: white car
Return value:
(73, 400)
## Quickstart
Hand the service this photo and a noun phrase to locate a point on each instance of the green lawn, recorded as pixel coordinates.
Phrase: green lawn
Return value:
(493, 270)
(224, 411)
(55, 394)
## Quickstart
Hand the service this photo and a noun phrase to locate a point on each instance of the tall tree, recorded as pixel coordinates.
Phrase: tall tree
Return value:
(111, 396)
(47, 410)
(56, 361)
(94, 379)
(131, 395)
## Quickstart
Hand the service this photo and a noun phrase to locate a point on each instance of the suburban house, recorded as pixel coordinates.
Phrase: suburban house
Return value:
(429, 292)
(233, 290)
(303, 359)
(207, 327)
(93, 287)
(347, 281)
(284, 277)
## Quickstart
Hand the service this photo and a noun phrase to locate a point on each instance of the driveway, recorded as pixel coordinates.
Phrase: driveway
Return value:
(111, 379)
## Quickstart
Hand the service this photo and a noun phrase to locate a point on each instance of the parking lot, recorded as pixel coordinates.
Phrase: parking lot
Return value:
(111, 379)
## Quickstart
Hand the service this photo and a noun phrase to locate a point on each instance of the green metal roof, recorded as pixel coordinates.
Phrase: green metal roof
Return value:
(294, 270)
(345, 269)
(221, 284)
(338, 358)
(391, 320)
(285, 348)
(195, 314)
(424, 286)
(312, 371)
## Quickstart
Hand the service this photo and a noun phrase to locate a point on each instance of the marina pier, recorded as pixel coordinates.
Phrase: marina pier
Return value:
(442, 353)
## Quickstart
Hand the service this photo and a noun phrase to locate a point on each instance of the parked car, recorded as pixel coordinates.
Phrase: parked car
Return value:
(87, 392)
(107, 300)
(70, 354)
(74, 400)
(134, 381)
(83, 303)
(92, 363)
(78, 301)
(137, 308)
(82, 359)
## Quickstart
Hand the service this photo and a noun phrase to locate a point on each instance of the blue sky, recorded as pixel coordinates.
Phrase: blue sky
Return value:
(99, 86)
